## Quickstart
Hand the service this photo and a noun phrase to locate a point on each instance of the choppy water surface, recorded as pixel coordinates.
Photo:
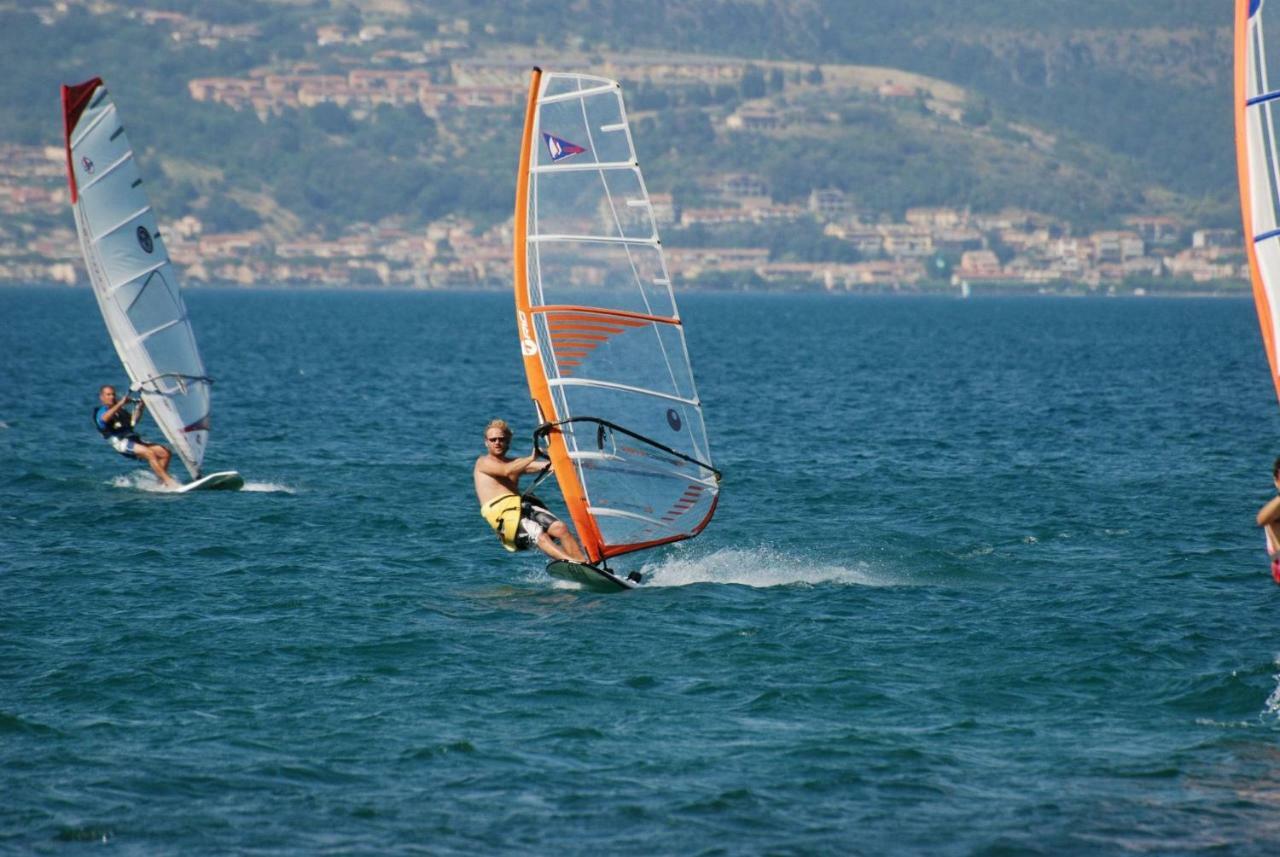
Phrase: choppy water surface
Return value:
(983, 580)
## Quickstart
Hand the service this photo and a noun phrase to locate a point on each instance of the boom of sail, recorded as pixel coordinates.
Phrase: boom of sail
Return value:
(133, 280)
(603, 344)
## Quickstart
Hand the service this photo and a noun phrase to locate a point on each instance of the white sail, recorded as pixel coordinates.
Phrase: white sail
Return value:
(603, 342)
(133, 280)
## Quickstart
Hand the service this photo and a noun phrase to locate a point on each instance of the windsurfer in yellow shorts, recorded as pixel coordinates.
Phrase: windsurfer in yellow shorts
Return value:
(520, 525)
(1269, 520)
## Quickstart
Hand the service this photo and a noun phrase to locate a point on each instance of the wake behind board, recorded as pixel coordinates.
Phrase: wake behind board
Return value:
(226, 480)
(592, 577)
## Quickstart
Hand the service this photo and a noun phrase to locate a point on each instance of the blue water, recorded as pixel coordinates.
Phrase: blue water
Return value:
(983, 580)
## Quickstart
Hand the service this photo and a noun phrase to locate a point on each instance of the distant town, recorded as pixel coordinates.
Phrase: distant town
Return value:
(1010, 250)
(718, 240)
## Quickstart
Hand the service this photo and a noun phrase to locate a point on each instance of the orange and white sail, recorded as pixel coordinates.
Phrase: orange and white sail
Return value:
(1258, 161)
(603, 344)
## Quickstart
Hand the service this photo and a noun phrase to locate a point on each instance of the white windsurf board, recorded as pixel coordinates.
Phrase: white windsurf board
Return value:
(226, 480)
(590, 576)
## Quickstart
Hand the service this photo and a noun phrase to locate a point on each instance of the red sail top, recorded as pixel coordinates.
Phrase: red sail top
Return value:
(74, 101)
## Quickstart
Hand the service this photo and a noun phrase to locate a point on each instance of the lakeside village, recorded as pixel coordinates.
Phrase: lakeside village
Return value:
(1009, 251)
(929, 250)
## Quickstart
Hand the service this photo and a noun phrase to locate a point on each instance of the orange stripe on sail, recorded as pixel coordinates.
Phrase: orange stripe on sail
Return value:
(616, 315)
(618, 550)
(586, 323)
(578, 337)
(686, 501)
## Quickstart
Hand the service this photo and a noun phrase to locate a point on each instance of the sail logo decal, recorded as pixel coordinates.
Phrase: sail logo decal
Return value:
(527, 346)
(201, 424)
(673, 419)
(144, 240)
(87, 164)
(561, 149)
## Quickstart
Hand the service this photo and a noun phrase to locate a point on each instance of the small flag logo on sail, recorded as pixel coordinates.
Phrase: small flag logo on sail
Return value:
(561, 149)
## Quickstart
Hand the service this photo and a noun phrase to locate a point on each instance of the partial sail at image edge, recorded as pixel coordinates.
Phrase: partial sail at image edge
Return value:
(1258, 167)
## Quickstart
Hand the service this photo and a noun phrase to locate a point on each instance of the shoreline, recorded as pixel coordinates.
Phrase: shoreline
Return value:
(977, 293)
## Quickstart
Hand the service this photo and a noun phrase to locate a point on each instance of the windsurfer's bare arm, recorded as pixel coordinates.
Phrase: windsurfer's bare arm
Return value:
(1269, 513)
(114, 409)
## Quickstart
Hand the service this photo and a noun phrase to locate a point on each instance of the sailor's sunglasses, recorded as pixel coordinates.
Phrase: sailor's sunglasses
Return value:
(496, 439)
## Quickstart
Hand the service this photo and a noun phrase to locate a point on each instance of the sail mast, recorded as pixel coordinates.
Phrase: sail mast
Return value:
(535, 371)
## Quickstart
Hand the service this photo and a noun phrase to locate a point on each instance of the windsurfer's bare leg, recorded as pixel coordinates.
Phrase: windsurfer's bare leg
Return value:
(567, 542)
(157, 457)
(548, 546)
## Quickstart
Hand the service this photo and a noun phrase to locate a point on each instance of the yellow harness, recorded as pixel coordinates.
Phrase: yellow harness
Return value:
(503, 514)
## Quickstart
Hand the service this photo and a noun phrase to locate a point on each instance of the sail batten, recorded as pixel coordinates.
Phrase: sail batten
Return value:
(133, 279)
(108, 171)
(145, 271)
(107, 233)
(568, 168)
(579, 94)
(592, 239)
(604, 346)
(89, 128)
(631, 516)
(147, 334)
(626, 388)
(617, 314)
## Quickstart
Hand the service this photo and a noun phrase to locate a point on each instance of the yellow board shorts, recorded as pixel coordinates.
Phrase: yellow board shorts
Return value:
(518, 525)
(503, 514)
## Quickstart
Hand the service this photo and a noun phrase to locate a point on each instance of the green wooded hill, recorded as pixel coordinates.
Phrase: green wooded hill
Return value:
(1090, 110)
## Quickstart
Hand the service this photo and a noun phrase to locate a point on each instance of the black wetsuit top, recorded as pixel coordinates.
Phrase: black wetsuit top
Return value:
(121, 425)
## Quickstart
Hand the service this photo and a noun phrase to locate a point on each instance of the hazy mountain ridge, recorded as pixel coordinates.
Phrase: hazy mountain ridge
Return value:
(1089, 113)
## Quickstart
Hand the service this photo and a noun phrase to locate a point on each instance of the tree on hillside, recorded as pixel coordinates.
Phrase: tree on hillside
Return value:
(724, 94)
(330, 118)
(698, 95)
(977, 113)
(221, 213)
(752, 85)
(646, 96)
(804, 241)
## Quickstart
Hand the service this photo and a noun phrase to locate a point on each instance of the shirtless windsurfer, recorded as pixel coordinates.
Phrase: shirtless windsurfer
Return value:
(519, 524)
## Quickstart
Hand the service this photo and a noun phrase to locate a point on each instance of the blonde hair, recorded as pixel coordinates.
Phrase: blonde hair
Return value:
(498, 424)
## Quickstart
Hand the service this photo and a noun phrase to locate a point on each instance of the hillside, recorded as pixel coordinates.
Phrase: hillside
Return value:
(1089, 113)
